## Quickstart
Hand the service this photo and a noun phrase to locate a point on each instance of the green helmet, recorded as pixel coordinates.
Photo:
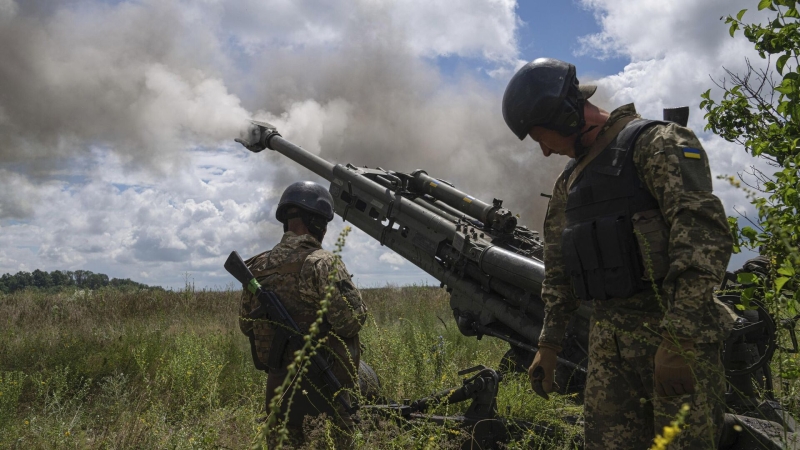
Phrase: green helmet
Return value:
(545, 92)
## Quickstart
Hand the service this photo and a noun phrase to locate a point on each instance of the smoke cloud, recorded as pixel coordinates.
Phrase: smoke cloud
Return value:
(141, 100)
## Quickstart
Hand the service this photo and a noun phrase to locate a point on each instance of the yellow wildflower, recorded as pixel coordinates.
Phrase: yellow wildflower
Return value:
(671, 431)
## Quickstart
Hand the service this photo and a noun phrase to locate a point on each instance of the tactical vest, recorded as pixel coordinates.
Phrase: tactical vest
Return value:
(604, 257)
(282, 277)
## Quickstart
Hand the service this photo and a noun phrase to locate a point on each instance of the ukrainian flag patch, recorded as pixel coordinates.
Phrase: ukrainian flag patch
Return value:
(691, 153)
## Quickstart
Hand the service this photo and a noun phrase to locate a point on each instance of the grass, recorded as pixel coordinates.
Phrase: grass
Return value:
(153, 369)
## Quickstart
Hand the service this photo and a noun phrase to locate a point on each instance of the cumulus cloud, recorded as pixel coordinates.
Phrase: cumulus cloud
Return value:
(428, 28)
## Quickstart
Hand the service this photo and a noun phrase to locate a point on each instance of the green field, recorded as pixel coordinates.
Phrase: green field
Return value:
(162, 369)
(154, 369)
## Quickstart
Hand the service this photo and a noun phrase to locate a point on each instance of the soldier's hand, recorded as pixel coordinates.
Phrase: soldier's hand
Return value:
(543, 369)
(673, 371)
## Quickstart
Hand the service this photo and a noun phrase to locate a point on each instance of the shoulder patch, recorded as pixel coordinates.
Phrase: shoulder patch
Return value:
(691, 153)
(695, 172)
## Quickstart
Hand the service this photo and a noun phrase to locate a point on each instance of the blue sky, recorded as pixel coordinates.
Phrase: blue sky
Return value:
(542, 36)
(97, 96)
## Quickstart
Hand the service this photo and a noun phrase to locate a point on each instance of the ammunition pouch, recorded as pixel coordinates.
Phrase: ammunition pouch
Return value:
(601, 258)
(253, 353)
(279, 341)
(282, 337)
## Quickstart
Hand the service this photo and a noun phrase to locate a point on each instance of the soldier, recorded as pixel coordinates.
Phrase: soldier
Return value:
(298, 270)
(633, 226)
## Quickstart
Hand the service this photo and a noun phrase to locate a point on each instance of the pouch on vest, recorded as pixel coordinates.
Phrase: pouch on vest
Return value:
(652, 235)
(601, 258)
(254, 353)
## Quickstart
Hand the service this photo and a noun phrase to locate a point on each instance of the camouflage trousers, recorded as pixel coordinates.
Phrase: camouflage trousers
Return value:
(621, 408)
(310, 399)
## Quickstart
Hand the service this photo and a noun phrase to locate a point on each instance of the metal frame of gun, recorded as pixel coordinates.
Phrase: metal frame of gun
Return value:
(480, 420)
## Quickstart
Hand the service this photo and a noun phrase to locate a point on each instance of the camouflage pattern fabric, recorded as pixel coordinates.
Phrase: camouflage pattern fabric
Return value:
(621, 411)
(301, 293)
(683, 306)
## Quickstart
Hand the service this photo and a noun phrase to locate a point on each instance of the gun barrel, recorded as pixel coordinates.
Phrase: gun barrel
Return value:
(301, 156)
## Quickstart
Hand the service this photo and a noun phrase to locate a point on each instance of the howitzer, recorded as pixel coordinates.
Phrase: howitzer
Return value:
(492, 269)
(287, 329)
(490, 265)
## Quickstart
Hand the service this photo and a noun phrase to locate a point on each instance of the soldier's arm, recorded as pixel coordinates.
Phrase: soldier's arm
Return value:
(672, 163)
(559, 300)
(346, 311)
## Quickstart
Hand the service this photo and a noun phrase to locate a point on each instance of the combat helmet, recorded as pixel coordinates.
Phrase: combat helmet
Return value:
(545, 92)
(314, 206)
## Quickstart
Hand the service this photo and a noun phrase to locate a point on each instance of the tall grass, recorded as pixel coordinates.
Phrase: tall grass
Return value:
(152, 369)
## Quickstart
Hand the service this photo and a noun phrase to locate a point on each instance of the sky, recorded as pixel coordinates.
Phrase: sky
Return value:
(117, 118)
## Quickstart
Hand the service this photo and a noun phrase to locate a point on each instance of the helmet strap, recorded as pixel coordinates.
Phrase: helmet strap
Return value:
(316, 224)
(580, 149)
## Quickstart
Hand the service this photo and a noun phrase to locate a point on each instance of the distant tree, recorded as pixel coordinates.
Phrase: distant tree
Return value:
(41, 279)
(6, 283)
(80, 277)
(58, 279)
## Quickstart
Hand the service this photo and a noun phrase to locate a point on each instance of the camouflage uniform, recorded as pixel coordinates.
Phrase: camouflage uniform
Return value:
(297, 269)
(621, 408)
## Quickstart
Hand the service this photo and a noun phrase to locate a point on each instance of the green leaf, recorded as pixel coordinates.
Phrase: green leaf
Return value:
(786, 87)
(749, 233)
(781, 62)
(787, 270)
(745, 278)
(780, 282)
(764, 4)
(747, 295)
(741, 14)
(734, 27)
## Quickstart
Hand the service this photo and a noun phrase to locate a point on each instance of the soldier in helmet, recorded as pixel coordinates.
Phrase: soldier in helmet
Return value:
(299, 270)
(632, 226)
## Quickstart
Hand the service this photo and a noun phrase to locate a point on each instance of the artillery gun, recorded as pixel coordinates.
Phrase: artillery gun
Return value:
(492, 268)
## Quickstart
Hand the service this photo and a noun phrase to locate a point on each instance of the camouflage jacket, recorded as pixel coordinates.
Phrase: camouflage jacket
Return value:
(301, 291)
(699, 246)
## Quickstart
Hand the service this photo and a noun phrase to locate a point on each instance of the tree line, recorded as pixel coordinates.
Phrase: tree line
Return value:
(83, 279)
